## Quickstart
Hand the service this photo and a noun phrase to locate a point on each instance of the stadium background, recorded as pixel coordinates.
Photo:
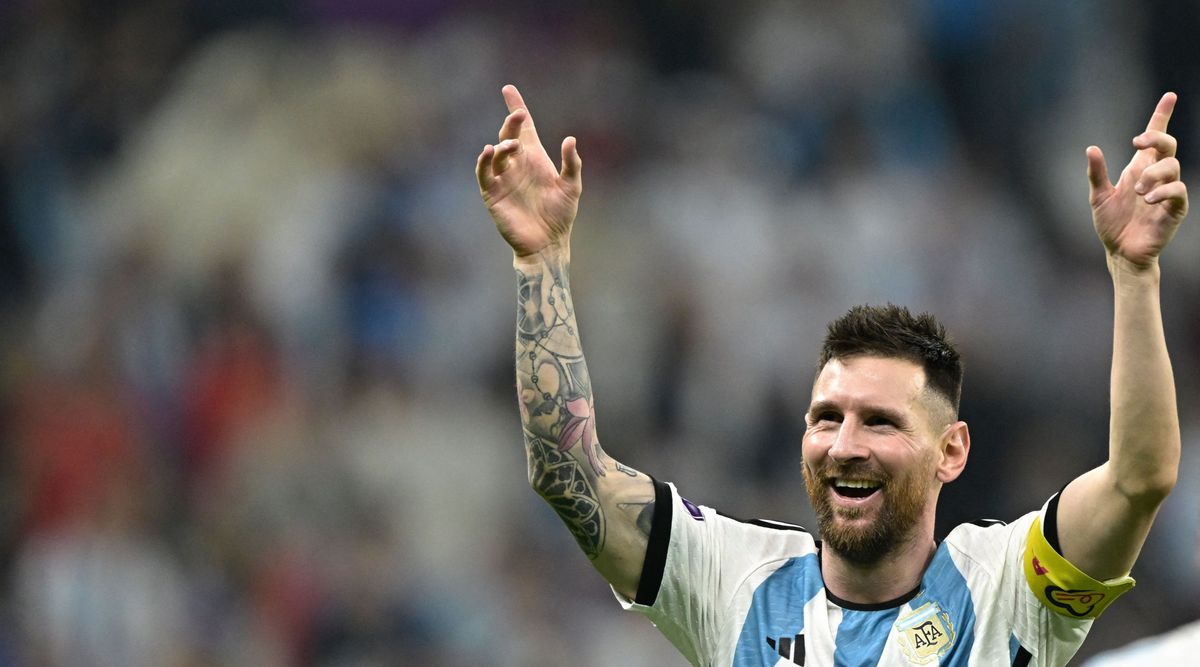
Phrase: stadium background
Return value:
(256, 385)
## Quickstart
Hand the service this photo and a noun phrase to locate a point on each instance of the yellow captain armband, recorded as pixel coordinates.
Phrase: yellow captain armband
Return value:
(1061, 586)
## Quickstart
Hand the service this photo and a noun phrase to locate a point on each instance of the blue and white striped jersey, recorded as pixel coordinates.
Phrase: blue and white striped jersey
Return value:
(730, 592)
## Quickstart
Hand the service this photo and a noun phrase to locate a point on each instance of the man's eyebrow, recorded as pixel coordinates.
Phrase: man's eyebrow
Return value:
(822, 406)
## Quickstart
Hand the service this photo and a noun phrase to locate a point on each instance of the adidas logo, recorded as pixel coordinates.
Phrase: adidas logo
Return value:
(791, 648)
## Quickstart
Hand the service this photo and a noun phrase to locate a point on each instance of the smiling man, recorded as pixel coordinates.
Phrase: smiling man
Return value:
(883, 437)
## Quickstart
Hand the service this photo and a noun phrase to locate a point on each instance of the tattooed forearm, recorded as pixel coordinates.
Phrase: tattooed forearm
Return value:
(561, 481)
(555, 398)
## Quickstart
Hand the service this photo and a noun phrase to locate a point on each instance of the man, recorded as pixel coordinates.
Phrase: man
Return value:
(883, 436)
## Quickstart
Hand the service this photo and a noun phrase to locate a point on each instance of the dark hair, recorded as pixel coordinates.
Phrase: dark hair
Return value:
(893, 331)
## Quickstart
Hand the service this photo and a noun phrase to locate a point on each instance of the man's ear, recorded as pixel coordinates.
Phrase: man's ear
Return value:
(955, 446)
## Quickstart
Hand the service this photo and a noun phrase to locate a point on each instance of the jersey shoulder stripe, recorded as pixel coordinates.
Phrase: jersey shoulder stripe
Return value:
(766, 523)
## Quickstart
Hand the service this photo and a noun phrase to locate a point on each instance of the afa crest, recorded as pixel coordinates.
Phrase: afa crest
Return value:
(926, 634)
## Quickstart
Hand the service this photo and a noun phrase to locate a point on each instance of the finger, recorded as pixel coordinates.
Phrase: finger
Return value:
(1097, 172)
(1162, 142)
(572, 164)
(511, 129)
(1162, 113)
(505, 150)
(512, 97)
(1163, 171)
(1173, 194)
(483, 167)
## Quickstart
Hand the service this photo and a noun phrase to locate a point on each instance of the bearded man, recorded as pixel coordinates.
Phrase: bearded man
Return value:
(882, 437)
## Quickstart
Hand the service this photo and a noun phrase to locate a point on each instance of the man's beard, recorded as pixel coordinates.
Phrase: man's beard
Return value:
(903, 503)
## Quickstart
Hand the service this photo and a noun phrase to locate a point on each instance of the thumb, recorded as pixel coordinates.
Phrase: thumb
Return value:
(1097, 172)
(572, 165)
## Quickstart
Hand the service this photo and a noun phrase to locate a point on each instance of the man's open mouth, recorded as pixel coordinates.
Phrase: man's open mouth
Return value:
(854, 488)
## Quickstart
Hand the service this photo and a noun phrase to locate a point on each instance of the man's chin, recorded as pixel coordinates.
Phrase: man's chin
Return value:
(856, 533)
(851, 528)
(860, 544)
(854, 520)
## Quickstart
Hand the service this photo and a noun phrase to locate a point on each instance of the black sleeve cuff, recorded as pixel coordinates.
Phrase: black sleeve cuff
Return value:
(656, 550)
(1050, 525)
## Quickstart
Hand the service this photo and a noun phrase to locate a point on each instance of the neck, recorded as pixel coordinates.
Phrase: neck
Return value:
(892, 576)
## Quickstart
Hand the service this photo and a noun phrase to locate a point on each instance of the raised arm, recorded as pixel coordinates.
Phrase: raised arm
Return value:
(607, 506)
(1104, 515)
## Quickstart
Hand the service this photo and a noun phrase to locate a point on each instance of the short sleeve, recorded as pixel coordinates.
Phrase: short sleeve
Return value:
(1056, 602)
(695, 573)
(1063, 588)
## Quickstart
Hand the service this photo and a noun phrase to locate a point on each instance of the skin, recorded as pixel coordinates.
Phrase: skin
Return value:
(607, 506)
(1104, 514)
(873, 418)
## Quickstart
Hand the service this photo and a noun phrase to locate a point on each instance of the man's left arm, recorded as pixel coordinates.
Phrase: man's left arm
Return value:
(1104, 515)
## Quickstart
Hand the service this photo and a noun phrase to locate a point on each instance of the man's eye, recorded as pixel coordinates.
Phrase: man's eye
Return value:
(879, 421)
(827, 416)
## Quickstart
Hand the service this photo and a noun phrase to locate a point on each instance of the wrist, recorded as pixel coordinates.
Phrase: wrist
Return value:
(1120, 267)
(1132, 279)
(557, 252)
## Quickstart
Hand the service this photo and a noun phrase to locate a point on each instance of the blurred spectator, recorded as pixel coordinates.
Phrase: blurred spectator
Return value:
(103, 591)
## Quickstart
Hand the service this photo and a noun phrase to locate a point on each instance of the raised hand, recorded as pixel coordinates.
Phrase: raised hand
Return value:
(1137, 217)
(532, 203)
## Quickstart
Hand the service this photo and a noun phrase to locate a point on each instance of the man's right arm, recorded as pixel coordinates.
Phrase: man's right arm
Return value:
(607, 506)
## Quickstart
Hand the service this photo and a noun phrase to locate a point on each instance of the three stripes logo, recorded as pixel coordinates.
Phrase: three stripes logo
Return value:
(791, 648)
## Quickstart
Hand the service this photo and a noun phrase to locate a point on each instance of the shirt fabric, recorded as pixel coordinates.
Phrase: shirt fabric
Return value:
(749, 593)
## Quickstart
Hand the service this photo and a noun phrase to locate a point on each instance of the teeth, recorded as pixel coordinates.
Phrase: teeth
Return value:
(856, 484)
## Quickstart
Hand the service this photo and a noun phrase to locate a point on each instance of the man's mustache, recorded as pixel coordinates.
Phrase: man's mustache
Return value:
(852, 471)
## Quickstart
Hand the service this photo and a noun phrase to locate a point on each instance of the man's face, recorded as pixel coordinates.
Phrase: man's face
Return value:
(870, 455)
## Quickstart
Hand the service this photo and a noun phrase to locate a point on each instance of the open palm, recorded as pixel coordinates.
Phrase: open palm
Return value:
(1137, 217)
(532, 203)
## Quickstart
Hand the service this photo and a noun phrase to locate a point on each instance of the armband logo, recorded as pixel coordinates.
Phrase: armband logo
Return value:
(1038, 569)
(926, 634)
(1078, 603)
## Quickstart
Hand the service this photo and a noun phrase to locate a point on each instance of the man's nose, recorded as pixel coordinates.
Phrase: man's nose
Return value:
(848, 445)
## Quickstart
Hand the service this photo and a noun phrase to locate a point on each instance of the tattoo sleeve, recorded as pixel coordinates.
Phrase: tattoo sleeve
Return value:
(555, 398)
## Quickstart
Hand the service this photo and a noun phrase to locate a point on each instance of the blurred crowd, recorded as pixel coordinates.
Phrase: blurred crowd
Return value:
(256, 392)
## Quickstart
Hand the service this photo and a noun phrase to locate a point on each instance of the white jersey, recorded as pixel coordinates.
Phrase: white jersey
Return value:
(731, 592)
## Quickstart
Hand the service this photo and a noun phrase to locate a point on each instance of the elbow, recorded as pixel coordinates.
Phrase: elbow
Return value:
(1149, 490)
(1146, 474)
(1162, 487)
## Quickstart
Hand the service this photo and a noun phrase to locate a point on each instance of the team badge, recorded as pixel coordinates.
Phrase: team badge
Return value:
(926, 634)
